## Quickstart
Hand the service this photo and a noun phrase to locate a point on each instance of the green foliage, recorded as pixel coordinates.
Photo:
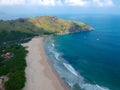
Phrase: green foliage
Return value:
(14, 68)
(27, 27)
(16, 81)
(13, 35)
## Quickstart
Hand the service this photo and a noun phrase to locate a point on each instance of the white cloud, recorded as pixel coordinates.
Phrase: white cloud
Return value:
(103, 3)
(31, 2)
(76, 2)
(82, 3)
(12, 2)
(45, 2)
(40, 2)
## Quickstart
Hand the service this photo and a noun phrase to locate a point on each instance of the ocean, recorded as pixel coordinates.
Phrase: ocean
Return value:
(88, 60)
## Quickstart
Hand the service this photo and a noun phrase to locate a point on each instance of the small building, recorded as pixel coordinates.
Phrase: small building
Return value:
(1, 87)
(8, 55)
(54, 18)
(1, 81)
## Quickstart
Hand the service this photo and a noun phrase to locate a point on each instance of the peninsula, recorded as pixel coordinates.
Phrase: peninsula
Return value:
(45, 25)
(36, 73)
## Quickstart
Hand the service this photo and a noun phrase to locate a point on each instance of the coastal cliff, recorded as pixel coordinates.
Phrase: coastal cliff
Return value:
(28, 27)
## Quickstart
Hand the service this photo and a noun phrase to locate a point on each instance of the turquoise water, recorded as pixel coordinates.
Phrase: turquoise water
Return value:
(89, 60)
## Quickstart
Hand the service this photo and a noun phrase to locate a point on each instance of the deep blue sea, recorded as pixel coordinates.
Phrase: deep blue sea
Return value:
(88, 60)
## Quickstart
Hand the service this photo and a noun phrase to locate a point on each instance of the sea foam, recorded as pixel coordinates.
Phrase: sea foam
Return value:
(67, 72)
(87, 86)
(70, 68)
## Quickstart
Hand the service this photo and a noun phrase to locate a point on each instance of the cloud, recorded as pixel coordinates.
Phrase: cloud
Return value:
(11, 2)
(81, 3)
(31, 2)
(76, 2)
(45, 2)
(103, 3)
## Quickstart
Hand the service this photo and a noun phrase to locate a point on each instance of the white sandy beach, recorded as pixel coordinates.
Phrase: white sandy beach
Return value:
(39, 73)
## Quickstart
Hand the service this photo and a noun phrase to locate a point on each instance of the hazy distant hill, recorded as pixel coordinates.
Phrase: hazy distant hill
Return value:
(27, 27)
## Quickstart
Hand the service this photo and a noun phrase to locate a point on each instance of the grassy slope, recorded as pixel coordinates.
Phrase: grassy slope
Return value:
(56, 25)
(27, 27)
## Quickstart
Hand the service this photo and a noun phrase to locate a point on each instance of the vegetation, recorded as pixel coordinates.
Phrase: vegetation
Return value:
(57, 25)
(15, 30)
(28, 27)
(13, 67)
(13, 36)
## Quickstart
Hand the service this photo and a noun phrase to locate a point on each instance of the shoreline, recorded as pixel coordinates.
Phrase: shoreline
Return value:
(40, 74)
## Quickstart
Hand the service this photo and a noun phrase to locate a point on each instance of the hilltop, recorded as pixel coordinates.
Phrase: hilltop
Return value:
(44, 25)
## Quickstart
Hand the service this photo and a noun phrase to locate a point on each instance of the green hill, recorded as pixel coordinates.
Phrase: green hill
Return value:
(28, 27)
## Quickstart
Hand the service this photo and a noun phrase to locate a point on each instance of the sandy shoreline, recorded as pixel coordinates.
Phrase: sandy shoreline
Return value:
(39, 73)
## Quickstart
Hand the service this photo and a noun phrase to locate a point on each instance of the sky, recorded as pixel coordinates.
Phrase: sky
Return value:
(59, 7)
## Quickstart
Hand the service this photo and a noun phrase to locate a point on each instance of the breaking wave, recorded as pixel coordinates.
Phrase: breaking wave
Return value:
(66, 71)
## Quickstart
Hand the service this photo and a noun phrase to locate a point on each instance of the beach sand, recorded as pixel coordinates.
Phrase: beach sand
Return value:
(40, 75)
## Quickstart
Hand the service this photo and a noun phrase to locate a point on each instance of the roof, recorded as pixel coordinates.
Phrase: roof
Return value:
(1, 86)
